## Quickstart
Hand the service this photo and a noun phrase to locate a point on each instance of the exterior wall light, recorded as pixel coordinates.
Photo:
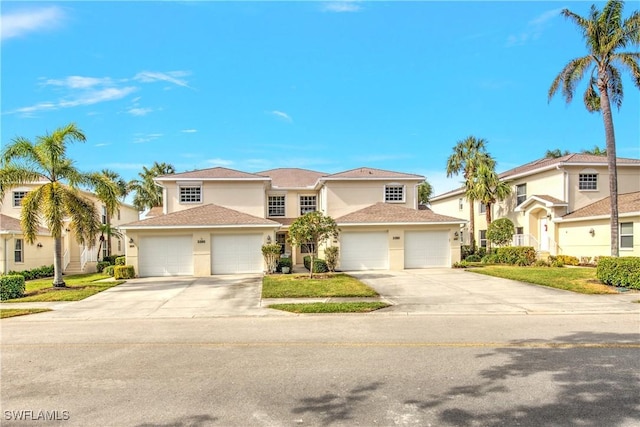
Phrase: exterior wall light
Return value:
(592, 232)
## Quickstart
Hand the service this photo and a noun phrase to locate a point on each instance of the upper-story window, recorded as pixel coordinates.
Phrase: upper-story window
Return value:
(307, 204)
(191, 194)
(276, 205)
(460, 203)
(17, 198)
(588, 181)
(394, 193)
(626, 235)
(521, 194)
(104, 214)
(18, 250)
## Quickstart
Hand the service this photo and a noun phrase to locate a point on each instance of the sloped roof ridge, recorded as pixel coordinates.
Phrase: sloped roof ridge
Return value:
(215, 168)
(381, 212)
(627, 203)
(362, 168)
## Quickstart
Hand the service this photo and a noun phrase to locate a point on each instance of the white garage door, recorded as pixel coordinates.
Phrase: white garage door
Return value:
(424, 249)
(236, 253)
(364, 251)
(165, 256)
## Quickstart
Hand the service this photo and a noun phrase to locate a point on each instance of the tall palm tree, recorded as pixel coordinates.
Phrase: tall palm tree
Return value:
(467, 156)
(489, 189)
(111, 197)
(596, 151)
(58, 198)
(605, 34)
(554, 154)
(147, 193)
(425, 191)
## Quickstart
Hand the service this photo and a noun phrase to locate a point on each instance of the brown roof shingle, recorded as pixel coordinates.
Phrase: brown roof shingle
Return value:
(292, 177)
(369, 173)
(390, 213)
(10, 224)
(207, 215)
(212, 173)
(627, 203)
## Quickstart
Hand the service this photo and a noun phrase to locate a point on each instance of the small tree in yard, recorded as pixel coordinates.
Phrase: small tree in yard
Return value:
(271, 254)
(501, 231)
(331, 257)
(311, 229)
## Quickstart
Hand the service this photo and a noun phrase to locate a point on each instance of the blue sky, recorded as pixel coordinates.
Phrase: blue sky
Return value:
(327, 86)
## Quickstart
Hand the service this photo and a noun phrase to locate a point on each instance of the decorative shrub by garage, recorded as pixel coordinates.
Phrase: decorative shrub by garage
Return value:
(124, 272)
(319, 265)
(623, 271)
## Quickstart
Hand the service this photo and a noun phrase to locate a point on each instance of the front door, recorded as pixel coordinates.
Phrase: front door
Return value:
(544, 234)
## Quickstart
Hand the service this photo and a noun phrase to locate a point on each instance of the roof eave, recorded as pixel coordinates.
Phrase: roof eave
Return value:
(183, 227)
(595, 217)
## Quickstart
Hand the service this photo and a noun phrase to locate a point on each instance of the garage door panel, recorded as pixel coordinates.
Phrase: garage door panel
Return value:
(165, 256)
(364, 251)
(236, 253)
(424, 249)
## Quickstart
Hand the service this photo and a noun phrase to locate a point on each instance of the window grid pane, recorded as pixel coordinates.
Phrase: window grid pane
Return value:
(394, 193)
(626, 235)
(190, 195)
(307, 204)
(276, 205)
(17, 198)
(521, 193)
(588, 181)
(18, 251)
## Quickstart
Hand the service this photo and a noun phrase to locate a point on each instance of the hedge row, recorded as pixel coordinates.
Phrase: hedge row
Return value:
(35, 273)
(319, 265)
(11, 286)
(512, 255)
(623, 271)
(123, 272)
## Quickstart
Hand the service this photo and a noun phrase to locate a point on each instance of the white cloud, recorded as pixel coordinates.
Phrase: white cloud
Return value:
(136, 111)
(189, 130)
(282, 115)
(79, 82)
(17, 24)
(534, 28)
(219, 162)
(104, 144)
(341, 6)
(154, 76)
(141, 138)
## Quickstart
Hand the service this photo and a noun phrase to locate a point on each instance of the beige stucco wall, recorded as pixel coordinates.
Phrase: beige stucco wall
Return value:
(292, 201)
(247, 197)
(575, 239)
(344, 197)
(34, 256)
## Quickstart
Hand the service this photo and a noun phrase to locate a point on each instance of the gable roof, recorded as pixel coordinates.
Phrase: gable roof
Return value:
(207, 216)
(545, 199)
(212, 174)
(386, 213)
(628, 204)
(371, 173)
(292, 177)
(10, 224)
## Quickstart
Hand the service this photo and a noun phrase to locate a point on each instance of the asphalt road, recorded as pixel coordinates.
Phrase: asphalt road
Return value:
(324, 370)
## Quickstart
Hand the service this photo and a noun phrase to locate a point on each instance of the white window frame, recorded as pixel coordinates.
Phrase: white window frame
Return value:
(276, 206)
(391, 195)
(461, 204)
(183, 198)
(18, 251)
(483, 240)
(482, 208)
(14, 194)
(305, 203)
(521, 196)
(627, 234)
(588, 180)
(104, 214)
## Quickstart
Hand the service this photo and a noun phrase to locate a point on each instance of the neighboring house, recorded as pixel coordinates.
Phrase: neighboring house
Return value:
(215, 221)
(17, 255)
(556, 203)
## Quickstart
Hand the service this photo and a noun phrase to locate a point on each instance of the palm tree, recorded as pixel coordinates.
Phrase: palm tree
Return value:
(147, 193)
(58, 198)
(111, 196)
(467, 156)
(596, 151)
(554, 154)
(489, 189)
(605, 33)
(425, 191)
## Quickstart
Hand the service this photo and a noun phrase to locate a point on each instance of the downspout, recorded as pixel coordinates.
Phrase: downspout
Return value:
(565, 189)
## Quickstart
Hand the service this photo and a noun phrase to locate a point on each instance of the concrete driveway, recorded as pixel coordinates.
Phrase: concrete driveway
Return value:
(457, 291)
(423, 292)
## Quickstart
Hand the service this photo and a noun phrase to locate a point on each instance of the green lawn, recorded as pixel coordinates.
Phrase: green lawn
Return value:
(79, 287)
(12, 312)
(322, 285)
(580, 280)
(331, 307)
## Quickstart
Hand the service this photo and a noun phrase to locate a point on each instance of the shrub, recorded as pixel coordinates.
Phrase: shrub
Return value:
(11, 286)
(319, 265)
(473, 258)
(284, 262)
(111, 259)
(623, 271)
(109, 270)
(121, 260)
(36, 273)
(124, 272)
(101, 266)
(501, 231)
(490, 259)
(271, 254)
(518, 255)
(461, 264)
(541, 263)
(568, 260)
(465, 251)
(331, 257)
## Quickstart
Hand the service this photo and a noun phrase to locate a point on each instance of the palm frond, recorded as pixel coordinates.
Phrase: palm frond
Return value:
(30, 213)
(53, 208)
(629, 61)
(592, 97)
(85, 221)
(614, 87)
(13, 176)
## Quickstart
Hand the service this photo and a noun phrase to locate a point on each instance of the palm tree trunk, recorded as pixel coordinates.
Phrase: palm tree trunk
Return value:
(58, 282)
(487, 215)
(472, 227)
(607, 117)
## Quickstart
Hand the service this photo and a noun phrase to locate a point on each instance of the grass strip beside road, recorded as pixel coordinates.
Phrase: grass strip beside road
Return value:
(331, 307)
(581, 280)
(79, 287)
(12, 312)
(321, 286)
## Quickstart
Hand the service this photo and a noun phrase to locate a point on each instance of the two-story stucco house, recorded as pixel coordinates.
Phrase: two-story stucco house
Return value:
(17, 255)
(560, 206)
(215, 221)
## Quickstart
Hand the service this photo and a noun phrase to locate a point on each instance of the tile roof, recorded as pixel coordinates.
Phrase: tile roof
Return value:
(10, 224)
(212, 173)
(369, 173)
(627, 203)
(390, 213)
(292, 177)
(207, 215)
(154, 211)
(550, 199)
